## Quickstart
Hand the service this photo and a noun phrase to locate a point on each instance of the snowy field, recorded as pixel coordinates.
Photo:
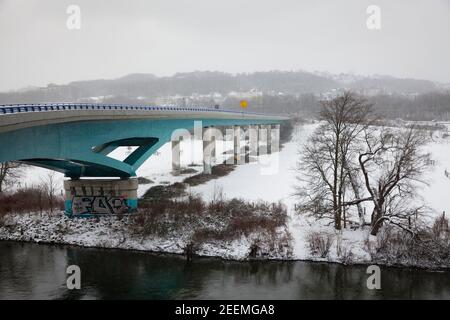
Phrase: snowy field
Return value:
(255, 182)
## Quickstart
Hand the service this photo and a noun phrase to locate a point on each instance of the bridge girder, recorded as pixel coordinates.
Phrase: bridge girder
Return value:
(80, 149)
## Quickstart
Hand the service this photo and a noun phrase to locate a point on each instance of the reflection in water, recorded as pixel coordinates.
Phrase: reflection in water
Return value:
(30, 271)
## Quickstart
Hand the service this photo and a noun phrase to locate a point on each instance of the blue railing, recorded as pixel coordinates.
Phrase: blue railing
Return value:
(19, 108)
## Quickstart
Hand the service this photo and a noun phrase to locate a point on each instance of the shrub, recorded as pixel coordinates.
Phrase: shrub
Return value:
(428, 248)
(160, 193)
(254, 249)
(217, 220)
(345, 255)
(217, 171)
(27, 200)
(440, 229)
(143, 180)
(188, 171)
(190, 250)
(319, 243)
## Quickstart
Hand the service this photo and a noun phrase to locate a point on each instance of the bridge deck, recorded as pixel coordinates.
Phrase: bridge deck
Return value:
(18, 116)
(76, 138)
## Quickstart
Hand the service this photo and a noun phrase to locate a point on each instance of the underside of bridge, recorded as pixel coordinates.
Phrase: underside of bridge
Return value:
(75, 169)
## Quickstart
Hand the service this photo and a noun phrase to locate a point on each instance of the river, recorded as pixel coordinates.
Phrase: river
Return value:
(33, 271)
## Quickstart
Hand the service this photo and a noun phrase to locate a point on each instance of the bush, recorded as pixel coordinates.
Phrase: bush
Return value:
(188, 171)
(428, 248)
(440, 229)
(190, 250)
(162, 217)
(217, 220)
(217, 171)
(345, 255)
(160, 193)
(143, 180)
(319, 243)
(27, 200)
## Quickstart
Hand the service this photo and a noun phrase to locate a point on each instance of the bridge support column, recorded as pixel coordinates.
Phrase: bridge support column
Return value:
(262, 137)
(209, 151)
(252, 141)
(275, 139)
(87, 198)
(268, 129)
(237, 145)
(246, 132)
(176, 156)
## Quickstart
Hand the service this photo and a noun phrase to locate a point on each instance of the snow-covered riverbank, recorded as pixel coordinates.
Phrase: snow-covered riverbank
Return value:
(111, 232)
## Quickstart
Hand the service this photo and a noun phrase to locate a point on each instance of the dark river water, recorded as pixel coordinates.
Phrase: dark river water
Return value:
(31, 271)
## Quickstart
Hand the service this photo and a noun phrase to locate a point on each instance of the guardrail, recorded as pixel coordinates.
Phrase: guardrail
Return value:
(19, 108)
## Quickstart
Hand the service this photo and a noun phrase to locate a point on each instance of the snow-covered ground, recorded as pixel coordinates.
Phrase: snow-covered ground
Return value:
(255, 182)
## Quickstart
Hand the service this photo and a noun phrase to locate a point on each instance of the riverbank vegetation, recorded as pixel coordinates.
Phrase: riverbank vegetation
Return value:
(351, 163)
(221, 220)
(233, 229)
(429, 248)
(41, 198)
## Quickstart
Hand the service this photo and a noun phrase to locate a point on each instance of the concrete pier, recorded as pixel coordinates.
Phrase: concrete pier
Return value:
(275, 139)
(90, 197)
(209, 150)
(237, 145)
(253, 141)
(228, 134)
(176, 157)
(269, 138)
(262, 140)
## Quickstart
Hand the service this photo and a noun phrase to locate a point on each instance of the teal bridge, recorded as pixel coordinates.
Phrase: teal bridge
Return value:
(75, 138)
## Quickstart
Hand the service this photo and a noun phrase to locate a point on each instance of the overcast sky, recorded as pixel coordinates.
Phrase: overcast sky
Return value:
(163, 37)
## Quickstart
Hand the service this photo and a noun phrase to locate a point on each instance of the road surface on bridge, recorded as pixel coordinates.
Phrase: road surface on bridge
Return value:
(13, 117)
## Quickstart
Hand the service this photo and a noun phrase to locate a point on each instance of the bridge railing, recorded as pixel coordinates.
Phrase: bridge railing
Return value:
(19, 108)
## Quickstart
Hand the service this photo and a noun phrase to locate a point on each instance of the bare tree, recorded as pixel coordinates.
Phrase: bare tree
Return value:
(392, 164)
(357, 188)
(10, 172)
(50, 186)
(326, 167)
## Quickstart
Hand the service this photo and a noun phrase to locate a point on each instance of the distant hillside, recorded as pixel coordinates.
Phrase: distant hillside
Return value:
(144, 88)
(150, 86)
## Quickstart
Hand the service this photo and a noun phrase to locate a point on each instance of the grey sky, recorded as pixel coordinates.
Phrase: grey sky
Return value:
(118, 37)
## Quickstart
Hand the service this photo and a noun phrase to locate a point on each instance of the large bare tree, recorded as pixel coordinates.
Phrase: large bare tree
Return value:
(350, 160)
(326, 168)
(392, 163)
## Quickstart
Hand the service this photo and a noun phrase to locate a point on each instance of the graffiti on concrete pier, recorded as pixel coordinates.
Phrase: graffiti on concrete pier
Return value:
(99, 205)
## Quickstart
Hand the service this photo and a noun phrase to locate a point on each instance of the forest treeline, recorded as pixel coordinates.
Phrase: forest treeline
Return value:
(422, 107)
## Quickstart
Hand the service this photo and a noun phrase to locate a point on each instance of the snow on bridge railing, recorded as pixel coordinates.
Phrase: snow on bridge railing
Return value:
(19, 108)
